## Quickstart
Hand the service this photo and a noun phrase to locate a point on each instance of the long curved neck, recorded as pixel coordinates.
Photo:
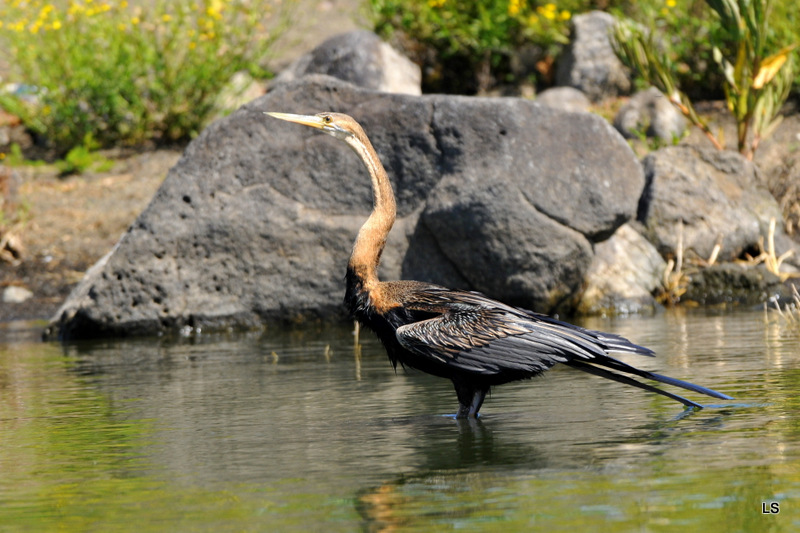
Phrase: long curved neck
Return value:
(372, 236)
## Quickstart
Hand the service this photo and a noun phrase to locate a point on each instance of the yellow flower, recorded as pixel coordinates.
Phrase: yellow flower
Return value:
(514, 7)
(166, 17)
(56, 24)
(74, 8)
(565, 15)
(135, 21)
(548, 11)
(214, 10)
(671, 3)
(436, 3)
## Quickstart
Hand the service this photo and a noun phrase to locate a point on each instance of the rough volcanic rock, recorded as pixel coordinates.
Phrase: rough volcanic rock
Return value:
(529, 189)
(589, 62)
(565, 99)
(255, 222)
(359, 57)
(650, 113)
(625, 272)
(707, 196)
(732, 284)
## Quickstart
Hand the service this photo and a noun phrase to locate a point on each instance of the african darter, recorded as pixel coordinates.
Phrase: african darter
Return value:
(464, 336)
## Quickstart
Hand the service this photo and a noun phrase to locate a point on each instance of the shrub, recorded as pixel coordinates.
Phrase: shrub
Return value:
(125, 73)
(689, 29)
(686, 29)
(468, 46)
(756, 77)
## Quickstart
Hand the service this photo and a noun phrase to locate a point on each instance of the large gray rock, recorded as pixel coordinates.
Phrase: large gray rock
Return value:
(359, 57)
(527, 193)
(256, 221)
(589, 62)
(708, 196)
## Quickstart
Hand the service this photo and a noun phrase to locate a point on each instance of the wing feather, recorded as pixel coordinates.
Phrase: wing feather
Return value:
(485, 336)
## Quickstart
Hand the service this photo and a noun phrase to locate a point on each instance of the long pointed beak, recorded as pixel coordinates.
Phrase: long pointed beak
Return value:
(306, 120)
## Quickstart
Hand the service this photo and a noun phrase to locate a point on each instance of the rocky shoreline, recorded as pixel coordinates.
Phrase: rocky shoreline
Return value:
(540, 207)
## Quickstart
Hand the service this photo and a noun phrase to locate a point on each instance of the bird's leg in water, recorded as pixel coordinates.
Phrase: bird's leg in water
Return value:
(470, 399)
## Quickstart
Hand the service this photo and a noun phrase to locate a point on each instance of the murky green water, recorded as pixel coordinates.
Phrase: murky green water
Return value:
(292, 432)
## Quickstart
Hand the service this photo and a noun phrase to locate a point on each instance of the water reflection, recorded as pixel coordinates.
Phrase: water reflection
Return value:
(308, 431)
(279, 407)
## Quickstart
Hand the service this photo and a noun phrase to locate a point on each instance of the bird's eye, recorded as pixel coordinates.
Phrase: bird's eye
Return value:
(327, 119)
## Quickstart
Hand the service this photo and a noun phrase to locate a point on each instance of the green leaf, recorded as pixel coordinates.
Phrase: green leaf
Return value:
(725, 65)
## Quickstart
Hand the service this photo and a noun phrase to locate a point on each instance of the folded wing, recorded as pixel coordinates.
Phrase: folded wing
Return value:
(484, 337)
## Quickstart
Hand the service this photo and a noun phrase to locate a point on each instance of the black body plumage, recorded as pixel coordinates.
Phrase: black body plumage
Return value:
(479, 343)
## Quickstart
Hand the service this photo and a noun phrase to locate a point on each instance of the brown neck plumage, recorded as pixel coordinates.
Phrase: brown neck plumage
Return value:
(372, 236)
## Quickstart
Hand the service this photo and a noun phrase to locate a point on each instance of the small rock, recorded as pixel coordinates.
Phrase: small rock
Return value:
(624, 274)
(16, 295)
(565, 99)
(359, 57)
(651, 113)
(589, 62)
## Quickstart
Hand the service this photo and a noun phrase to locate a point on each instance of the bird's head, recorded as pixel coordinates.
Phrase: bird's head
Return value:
(339, 125)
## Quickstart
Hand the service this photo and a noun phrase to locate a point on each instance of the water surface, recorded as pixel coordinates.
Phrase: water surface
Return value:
(300, 431)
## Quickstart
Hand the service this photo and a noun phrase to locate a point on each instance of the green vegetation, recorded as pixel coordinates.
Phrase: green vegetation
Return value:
(474, 46)
(126, 73)
(84, 157)
(756, 73)
(15, 157)
(469, 46)
(130, 73)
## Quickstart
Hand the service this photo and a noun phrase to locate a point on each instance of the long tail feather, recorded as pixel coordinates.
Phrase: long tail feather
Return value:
(616, 364)
(686, 385)
(619, 378)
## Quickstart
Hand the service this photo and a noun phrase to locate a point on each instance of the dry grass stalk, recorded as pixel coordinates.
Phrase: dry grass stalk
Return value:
(791, 312)
(771, 261)
(10, 244)
(675, 282)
